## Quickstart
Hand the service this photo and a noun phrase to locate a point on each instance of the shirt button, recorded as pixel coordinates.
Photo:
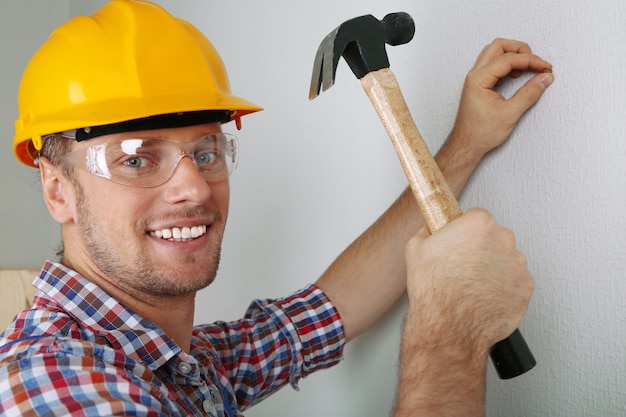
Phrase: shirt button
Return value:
(184, 367)
(209, 407)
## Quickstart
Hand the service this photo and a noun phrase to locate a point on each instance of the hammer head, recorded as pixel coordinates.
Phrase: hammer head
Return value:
(361, 41)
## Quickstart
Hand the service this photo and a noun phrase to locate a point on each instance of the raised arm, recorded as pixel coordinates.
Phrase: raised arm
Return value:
(370, 275)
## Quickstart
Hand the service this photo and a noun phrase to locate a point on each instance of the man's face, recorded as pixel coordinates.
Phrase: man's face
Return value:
(129, 236)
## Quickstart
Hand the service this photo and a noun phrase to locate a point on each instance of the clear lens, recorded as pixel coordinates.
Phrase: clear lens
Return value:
(150, 162)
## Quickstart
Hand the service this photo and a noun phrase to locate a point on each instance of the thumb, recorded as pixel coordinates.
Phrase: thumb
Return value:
(532, 91)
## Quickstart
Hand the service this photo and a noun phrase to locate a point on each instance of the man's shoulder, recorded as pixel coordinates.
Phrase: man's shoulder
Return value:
(39, 321)
(51, 368)
(43, 331)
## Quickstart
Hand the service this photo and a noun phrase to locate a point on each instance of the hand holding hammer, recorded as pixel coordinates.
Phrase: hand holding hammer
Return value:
(361, 41)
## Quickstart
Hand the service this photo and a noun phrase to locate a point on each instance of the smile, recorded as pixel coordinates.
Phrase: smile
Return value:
(180, 234)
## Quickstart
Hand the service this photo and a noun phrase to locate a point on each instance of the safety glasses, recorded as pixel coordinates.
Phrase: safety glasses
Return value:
(146, 162)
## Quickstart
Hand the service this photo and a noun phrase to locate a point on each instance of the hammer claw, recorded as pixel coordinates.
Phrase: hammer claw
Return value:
(324, 67)
(361, 41)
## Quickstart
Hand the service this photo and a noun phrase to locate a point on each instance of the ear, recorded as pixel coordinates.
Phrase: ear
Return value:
(58, 192)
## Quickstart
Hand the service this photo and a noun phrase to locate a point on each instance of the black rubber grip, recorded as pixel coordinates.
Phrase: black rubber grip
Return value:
(512, 356)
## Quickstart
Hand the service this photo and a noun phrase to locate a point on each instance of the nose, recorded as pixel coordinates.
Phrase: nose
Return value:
(186, 184)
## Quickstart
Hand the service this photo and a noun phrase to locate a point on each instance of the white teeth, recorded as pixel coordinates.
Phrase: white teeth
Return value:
(180, 234)
(198, 231)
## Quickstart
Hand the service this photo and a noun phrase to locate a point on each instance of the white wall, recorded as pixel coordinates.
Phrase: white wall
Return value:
(28, 233)
(314, 174)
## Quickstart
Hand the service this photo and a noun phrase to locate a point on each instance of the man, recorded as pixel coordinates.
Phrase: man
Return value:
(134, 167)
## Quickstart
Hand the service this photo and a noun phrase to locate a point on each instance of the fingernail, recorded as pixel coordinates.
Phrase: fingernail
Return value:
(546, 80)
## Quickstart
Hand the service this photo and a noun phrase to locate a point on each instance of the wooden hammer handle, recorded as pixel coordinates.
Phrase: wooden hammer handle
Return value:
(431, 191)
(511, 356)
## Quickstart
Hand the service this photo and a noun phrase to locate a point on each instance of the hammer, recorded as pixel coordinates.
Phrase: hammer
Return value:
(361, 41)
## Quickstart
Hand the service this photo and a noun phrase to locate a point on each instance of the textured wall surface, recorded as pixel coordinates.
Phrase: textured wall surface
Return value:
(313, 175)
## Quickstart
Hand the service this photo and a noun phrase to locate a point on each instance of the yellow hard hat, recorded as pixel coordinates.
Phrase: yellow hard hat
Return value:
(130, 60)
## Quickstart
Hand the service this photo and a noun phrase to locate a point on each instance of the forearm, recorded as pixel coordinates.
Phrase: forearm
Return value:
(370, 275)
(438, 379)
(457, 160)
(468, 287)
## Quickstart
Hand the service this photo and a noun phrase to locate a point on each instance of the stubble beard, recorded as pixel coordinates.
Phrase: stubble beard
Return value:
(140, 274)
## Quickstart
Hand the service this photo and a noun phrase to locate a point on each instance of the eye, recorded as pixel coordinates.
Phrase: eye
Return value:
(206, 158)
(136, 165)
(135, 162)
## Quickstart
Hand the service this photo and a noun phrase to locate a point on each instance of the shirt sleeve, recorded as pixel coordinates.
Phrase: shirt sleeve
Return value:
(277, 342)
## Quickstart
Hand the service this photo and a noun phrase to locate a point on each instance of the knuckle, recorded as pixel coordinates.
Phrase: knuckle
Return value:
(482, 217)
(474, 76)
(520, 261)
(509, 237)
(471, 76)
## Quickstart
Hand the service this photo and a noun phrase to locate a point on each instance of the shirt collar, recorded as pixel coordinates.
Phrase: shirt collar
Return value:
(96, 310)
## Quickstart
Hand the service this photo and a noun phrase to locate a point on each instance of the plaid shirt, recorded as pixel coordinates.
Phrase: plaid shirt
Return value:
(79, 352)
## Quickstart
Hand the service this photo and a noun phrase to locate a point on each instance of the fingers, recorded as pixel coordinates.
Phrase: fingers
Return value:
(471, 277)
(506, 65)
(485, 118)
(508, 57)
(499, 47)
(502, 58)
